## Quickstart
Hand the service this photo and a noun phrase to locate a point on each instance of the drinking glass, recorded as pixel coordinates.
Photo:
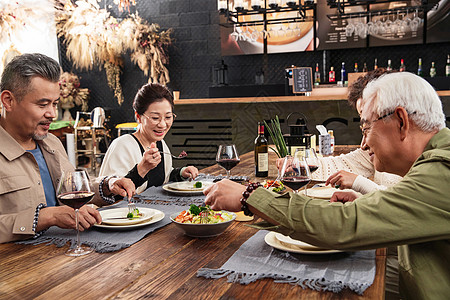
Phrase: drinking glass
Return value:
(74, 190)
(311, 159)
(227, 157)
(297, 174)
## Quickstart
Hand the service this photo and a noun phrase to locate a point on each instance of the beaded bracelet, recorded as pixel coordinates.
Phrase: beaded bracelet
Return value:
(245, 194)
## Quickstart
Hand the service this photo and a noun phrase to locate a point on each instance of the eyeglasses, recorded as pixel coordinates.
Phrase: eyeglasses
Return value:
(155, 119)
(366, 126)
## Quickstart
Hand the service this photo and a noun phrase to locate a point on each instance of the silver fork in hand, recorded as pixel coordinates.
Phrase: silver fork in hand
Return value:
(203, 217)
(131, 205)
(174, 156)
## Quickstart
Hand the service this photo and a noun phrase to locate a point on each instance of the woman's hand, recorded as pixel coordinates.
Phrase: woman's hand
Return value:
(190, 171)
(150, 160)
(341, 180)
(225, 195)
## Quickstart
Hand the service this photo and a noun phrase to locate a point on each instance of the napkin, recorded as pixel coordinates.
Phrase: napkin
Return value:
(256, 260)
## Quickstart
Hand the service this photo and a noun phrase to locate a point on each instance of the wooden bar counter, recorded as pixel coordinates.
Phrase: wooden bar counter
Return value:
(163, 265)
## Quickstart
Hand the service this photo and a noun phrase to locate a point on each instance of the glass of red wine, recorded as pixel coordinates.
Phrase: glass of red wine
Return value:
(74, 190)
(227, 157)
(311, 159)
(296, 175)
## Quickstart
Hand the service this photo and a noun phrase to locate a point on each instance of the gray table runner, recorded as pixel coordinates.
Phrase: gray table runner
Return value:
(256, 260)
(105, 240)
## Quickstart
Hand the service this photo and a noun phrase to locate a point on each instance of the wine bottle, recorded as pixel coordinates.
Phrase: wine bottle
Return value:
(419, 68)
(261, 153)
(389, 66)
(402, 66)
(317, 75)
(432, 70)
(365, 68)
(343, 74)
(332, 75)
(447, 67)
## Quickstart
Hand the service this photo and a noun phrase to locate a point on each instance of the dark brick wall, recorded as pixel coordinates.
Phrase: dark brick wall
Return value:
(197, 48)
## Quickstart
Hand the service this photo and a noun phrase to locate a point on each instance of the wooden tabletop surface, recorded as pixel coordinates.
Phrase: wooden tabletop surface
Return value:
(163, 265)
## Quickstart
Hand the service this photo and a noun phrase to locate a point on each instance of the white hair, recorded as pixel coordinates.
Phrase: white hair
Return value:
(411, 92)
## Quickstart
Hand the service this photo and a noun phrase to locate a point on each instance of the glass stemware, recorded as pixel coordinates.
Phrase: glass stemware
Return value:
(227, 157)
(311, 159)
(297, 174)
(74, 190)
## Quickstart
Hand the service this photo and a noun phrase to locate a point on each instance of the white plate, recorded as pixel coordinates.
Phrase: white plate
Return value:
(272, 241)
(109, 215)
(323, 192)
(157, 216)
(295, 244)
(186, 188)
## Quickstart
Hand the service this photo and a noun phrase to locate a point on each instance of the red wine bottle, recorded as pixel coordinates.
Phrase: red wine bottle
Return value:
(261, 153)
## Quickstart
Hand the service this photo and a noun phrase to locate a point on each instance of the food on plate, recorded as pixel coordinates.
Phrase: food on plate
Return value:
(192, 216)
(275, 186)
(134, 215)
(198, 184)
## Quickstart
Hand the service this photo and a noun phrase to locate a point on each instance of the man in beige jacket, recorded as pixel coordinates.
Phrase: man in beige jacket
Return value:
(32, 160)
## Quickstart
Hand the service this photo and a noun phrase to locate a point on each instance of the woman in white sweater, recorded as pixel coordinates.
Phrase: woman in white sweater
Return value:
(143, 156)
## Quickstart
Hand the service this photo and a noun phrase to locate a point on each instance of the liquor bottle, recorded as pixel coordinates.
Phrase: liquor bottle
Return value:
(365, 68)
(261, 153)
(317, 75)
(389, 66)
(402, 66)
(331, 133)
(332, 75)
(343, 74)
(447, 67)
(432, 70)
(375, 66)
(419, 68)
(356, 68)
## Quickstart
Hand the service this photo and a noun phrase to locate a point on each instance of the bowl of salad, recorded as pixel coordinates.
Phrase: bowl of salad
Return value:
(202, 222)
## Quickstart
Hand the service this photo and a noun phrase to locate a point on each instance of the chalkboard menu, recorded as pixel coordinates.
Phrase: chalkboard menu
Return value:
(302, 80)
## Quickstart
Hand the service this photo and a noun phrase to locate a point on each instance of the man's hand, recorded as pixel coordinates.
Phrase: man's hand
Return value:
(190, 171)
(225, 195)
(122, 186)
(344, 197)
(64, 217)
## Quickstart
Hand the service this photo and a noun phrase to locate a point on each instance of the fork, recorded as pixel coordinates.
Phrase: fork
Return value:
(173, 156)
(131, 205)
(204, 217)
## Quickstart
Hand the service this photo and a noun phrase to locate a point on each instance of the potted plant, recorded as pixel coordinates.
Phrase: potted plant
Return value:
(277, 137)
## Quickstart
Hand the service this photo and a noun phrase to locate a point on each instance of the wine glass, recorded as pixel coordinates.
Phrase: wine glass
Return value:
(311, 159)
(227, 157)
(74, 191)
(296, 174)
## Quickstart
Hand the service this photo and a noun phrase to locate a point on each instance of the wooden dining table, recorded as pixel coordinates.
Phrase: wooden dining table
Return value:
(163, 265)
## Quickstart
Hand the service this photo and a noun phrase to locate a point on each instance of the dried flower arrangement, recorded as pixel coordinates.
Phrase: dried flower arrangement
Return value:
(70, 92)
(93, 37)
(124, 4)
(16, 16)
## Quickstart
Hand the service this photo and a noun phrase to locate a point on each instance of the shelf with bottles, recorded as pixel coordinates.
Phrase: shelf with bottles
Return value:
(238, 13)
(341, 5)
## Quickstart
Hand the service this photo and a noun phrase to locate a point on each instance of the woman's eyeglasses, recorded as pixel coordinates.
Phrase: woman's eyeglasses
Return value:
(157, 118)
